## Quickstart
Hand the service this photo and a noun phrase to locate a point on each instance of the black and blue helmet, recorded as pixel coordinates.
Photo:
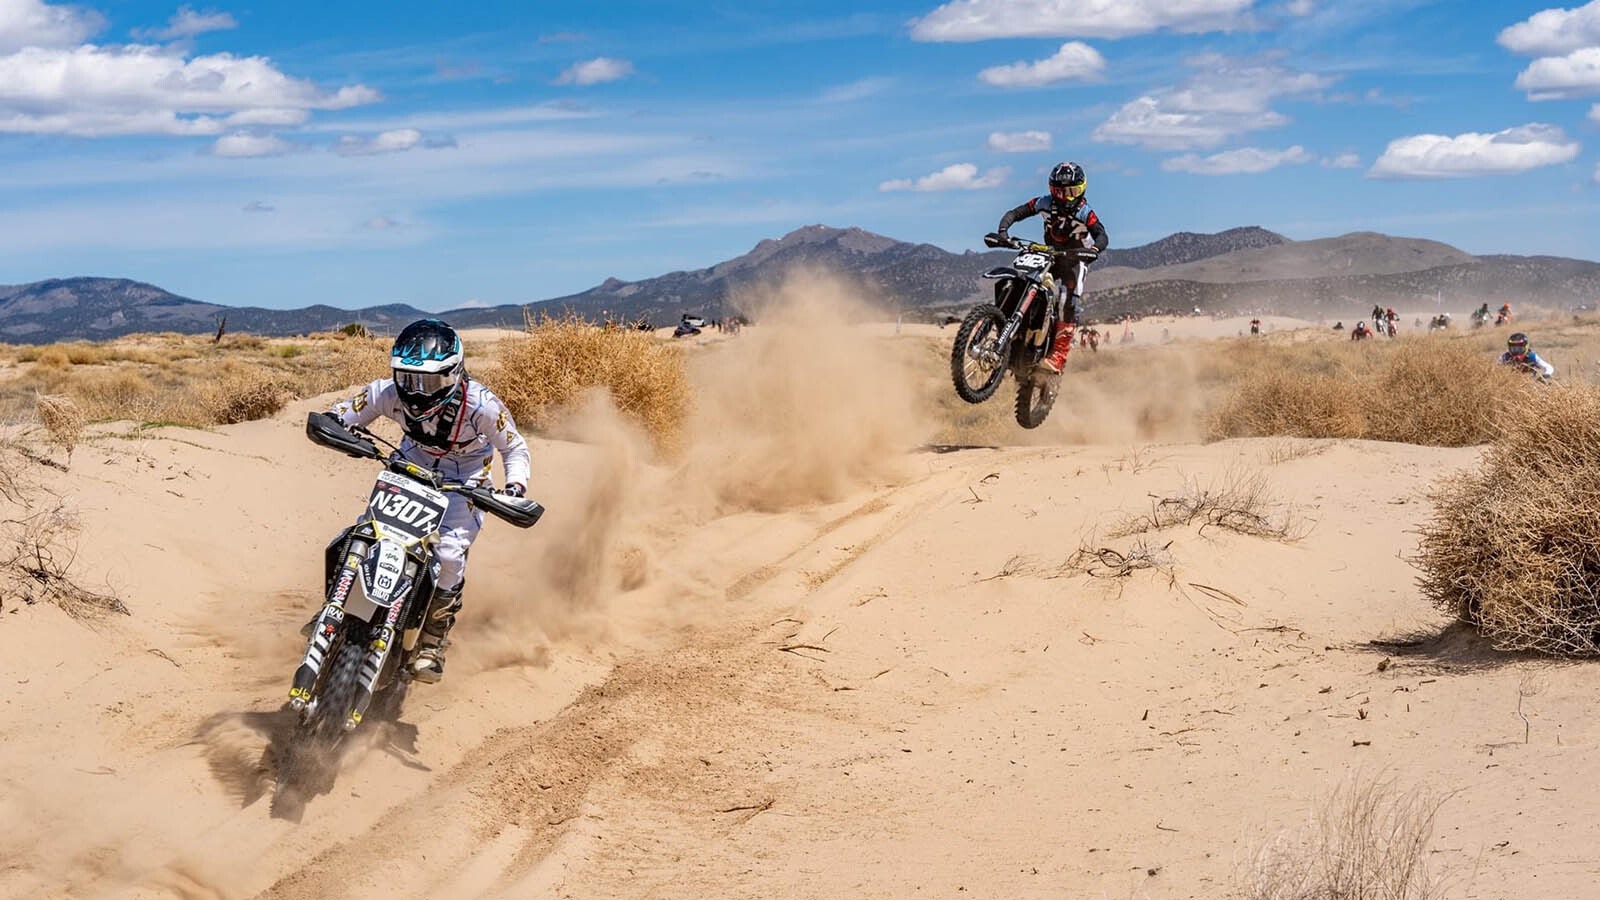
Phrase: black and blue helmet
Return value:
(429, 366)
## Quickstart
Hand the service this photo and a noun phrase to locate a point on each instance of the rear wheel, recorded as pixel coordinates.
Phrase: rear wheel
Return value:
(1036, 394)
(977, 361)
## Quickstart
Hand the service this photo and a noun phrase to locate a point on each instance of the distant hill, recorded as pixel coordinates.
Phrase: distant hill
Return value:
(99, 308)
(1239, 270)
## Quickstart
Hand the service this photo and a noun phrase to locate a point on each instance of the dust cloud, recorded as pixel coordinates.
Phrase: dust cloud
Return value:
(804, 406)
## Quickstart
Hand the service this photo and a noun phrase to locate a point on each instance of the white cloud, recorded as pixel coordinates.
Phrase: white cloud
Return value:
(1075, 60)
(187, 23)
(1243, 161)
(1594, 113)
(957, 177)
(1554, 31)
(268, 116)
(396, 141)
(855, 90)
(599, 70)
(1502, 153)
(1019, 141)
(1300, 8)
(31, 23)
(136, 89)
(259, 206)
(977, 20)
(383, 223)
(1343, 161)
(1224, 98)
(1553, 77)
(249, 143)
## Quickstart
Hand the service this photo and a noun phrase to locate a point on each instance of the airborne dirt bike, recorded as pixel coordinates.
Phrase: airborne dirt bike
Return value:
(1014, 333)
(379, 578)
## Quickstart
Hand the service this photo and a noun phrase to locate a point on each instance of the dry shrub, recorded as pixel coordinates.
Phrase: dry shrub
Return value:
(116, 393)
(1437, 392)
(63, 420)
(1369, 840)
(1109, 562)
(1289, 403)
(244, 394)
(53, 357)
(1440, 393)
(1514, 547)
(38, 535)
(545, 372)
(1239, 501)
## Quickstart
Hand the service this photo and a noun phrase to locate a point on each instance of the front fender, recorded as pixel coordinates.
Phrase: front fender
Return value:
(1002, 272)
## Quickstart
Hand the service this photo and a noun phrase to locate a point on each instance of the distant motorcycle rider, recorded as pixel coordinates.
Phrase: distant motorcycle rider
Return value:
(453, 426)
(1520, 354)
(1069, 223)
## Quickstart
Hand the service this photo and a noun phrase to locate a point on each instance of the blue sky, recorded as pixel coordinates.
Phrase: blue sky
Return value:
(442, 155)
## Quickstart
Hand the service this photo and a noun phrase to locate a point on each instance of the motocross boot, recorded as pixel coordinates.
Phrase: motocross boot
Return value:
(428, 666)
(1060, 346)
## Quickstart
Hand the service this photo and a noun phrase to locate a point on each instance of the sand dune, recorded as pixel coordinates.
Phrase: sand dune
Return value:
(809, 660)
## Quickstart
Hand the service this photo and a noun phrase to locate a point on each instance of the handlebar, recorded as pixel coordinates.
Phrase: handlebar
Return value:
(328, 431)
(1083, 254)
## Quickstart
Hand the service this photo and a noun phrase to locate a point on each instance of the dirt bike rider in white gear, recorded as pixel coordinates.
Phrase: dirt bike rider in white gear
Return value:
(453, 425)
(1520, 353)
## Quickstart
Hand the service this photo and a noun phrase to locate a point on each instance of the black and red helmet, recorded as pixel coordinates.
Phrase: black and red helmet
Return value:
(1067, 182)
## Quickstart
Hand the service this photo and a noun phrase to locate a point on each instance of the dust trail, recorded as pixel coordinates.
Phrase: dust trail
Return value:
(574, 565)
(802, 407)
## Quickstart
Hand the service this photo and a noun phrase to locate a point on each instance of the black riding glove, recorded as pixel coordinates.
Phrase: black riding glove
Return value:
(515, 490)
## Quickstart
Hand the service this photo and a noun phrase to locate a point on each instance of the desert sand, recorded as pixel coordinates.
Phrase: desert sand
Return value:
(814, 659)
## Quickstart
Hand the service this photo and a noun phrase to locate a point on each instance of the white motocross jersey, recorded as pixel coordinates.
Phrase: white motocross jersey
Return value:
(465, 451)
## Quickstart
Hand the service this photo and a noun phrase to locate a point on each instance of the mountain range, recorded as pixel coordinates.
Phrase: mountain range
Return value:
(1240, 270)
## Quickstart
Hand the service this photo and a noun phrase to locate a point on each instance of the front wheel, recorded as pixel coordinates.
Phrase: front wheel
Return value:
(1036, 394)
(977, 361)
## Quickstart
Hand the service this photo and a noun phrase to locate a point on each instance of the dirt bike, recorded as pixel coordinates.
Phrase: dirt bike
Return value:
(379, 578)
(1014, 333)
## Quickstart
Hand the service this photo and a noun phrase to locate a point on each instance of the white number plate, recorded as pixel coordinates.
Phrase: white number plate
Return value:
(406, 508)
(1033, 261)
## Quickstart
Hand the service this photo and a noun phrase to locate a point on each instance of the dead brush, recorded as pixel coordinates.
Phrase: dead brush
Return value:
(188, 380)
(63, 421)
(1108, 562)
(1369, 839)
(1514, 547)
(547, 370)
(1439, 391)
(38, 535)
(244, 393)
(1239, 501)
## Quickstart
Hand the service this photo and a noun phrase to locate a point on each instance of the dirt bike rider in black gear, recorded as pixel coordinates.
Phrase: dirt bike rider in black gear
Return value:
(1069, 223)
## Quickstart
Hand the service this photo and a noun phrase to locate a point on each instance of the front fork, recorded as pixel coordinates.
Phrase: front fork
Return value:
(325, 627)
(1015, 322)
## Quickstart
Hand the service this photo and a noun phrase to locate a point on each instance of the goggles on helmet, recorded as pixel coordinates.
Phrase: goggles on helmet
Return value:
(424, 382)
(1067, 192)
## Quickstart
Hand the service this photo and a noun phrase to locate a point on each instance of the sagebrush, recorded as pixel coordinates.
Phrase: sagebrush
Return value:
(545, 371)
(1514, 546)
(1369, 839)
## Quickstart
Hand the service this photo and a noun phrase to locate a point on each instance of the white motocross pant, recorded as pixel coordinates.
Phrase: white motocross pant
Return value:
(456, 534)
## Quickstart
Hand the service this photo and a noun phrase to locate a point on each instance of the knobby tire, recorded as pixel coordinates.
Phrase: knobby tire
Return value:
(982, 323)
(1034, 401)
